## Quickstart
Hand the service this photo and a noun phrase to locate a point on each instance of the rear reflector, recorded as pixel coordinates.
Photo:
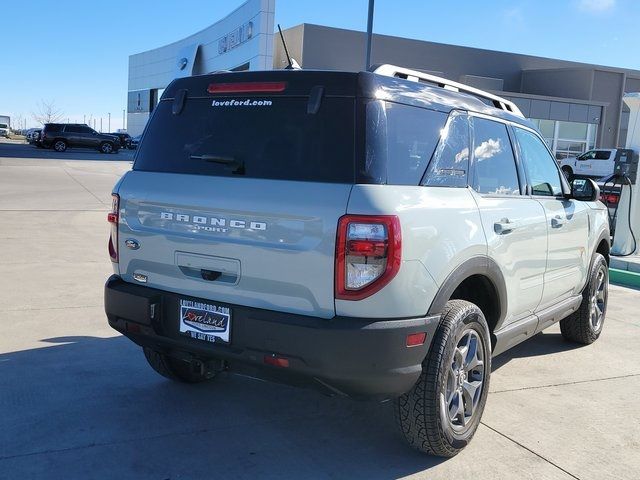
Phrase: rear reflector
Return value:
(276, 361)
(113, 217)
(415, 339)
(247, 87)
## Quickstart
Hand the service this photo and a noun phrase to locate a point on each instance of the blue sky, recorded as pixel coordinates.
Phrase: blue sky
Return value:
(76, 53)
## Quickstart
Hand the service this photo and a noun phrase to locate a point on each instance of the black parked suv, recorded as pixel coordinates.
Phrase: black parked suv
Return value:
(60, 136)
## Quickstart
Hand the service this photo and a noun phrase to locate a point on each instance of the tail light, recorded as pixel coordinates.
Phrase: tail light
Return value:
(368, 254)
(113, 218)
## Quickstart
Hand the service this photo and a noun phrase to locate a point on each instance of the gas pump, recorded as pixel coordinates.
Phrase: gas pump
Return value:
(625, 241)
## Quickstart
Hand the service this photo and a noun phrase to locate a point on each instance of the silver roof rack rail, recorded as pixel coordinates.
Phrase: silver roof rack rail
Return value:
(416, 76)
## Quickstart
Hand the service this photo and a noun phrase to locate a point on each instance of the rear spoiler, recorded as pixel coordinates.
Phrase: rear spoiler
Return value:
(416, 76)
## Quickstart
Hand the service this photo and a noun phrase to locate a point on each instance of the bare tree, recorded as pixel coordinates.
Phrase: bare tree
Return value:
(18, 122)
(47, 113)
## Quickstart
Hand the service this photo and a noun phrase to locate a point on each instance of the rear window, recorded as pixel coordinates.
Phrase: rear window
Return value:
(53, 128)
(266, 137)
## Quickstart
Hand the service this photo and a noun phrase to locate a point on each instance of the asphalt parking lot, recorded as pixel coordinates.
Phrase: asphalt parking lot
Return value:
(79, 401)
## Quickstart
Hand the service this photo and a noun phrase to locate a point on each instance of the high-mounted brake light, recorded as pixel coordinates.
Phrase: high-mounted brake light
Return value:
(247, 87)
(368, 254)
(113, 217)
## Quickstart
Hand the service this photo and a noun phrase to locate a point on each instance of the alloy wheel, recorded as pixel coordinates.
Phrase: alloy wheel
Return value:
(598, 301)
(465, 380)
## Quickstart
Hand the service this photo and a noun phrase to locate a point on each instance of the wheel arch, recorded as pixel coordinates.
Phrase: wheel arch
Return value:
(480, 281)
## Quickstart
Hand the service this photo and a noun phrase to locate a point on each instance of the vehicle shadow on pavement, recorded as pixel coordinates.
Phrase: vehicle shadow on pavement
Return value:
(541, 344)
(92, 407)
(30, 151)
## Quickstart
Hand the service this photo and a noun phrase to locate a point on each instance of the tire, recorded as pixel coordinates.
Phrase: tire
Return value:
(106, 147)
(59, 145)
(568, 173)
(423, 414)
(173, 368)
(585, 325)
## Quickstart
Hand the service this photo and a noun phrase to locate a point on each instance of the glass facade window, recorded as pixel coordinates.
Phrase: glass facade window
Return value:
(567, 139)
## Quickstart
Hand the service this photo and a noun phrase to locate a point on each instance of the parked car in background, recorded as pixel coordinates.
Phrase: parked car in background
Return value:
(595, 163)
(5, 126)
(133, 144)
(125, 138)
(33, 136)
(61, 136)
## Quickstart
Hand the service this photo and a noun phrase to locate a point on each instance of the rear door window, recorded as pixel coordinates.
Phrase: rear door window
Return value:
(494, 167)
(266, 137)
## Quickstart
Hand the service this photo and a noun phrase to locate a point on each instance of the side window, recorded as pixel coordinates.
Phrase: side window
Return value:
(54, 128)
(602, 154)
(84, 129)
(590, 155)
(72, 129)
(494, 166)
(450, 163)
(412, 133)
(539, 165)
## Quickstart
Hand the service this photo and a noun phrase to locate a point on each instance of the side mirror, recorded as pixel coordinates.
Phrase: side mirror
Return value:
(585, 189)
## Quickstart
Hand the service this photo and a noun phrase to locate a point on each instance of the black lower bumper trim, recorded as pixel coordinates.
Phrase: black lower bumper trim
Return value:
(357, 357)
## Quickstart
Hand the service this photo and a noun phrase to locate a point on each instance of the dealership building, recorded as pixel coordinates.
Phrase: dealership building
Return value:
(576, 106)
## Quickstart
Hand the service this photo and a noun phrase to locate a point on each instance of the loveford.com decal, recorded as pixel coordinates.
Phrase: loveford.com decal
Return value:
(241, 103)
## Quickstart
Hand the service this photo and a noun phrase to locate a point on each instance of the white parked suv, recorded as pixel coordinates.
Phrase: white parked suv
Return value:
(596, 163)
(370, 234)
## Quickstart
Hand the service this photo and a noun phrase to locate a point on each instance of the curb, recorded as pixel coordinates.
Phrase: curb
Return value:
(624, 278)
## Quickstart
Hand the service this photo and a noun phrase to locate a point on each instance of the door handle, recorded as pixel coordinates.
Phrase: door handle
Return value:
(558, 221)
(505, 226)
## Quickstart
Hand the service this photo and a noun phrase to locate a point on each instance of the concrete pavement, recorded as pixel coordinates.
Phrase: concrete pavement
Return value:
(79, 401)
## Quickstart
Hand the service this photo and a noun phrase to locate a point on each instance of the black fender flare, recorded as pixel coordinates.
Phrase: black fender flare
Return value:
(479, 265)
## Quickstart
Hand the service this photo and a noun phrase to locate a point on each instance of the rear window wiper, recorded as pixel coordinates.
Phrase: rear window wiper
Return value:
(222, 160)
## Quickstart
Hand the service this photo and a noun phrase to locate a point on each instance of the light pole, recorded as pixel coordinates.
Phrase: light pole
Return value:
(367, 62)
(123, 127)
(109, 124)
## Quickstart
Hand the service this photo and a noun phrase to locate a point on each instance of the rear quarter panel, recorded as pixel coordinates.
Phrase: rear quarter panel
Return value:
(441, 228)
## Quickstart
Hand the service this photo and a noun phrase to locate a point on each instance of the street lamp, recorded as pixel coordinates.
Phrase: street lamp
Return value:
(109, 126)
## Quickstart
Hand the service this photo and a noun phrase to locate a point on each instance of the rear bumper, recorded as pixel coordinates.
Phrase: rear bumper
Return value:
(357, 357)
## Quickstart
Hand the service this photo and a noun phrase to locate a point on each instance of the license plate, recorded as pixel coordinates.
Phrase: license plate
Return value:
(205, 321)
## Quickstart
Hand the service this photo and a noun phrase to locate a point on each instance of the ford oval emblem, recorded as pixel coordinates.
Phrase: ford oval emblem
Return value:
(132, 244)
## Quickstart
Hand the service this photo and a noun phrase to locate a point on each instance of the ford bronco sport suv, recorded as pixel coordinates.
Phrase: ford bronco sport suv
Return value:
(371, 234)
(60, 136)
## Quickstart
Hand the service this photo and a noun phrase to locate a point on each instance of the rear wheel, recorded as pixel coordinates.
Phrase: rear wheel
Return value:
(59, 145)
(441, 413)
(106, 147)
(585, 325)
(174, 368)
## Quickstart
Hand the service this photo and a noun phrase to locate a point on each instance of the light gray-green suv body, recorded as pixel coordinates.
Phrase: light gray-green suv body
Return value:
(376, 235)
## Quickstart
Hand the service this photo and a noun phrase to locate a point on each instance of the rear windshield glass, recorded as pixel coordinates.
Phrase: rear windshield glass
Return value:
(266, 137)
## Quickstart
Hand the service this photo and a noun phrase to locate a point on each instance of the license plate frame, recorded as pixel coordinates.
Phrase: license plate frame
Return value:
(205, 321)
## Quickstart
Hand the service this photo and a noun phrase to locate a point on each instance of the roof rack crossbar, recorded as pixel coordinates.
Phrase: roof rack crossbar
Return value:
(417, 76)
